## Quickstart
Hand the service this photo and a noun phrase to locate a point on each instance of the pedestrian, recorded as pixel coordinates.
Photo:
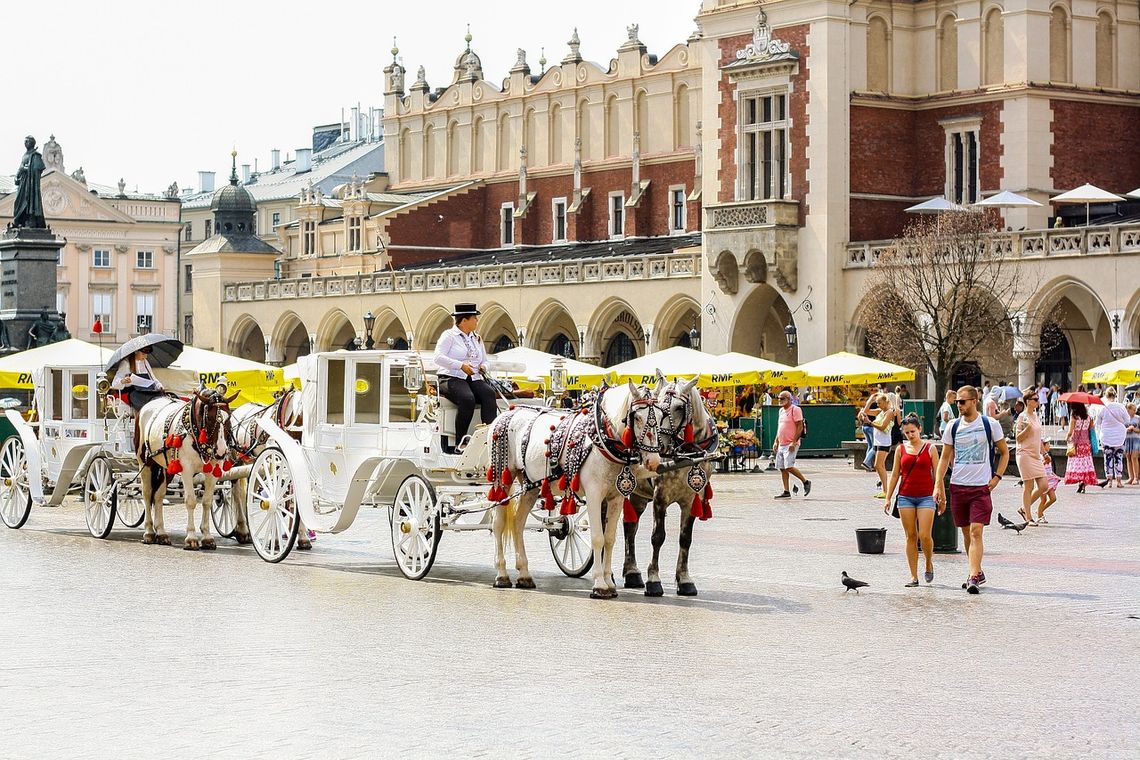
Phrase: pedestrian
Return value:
(866, 414)
(1043, 403)
(1132, 445)
(1049, 498)
(1055, 405)
(1062, 415)
(913, 475)
(985, 390)
(903, 393)
(970, 443)
(946, 413)
(1079, 468)
(1112, 429)
(1029, 463)
(789, 431)
(882, 425)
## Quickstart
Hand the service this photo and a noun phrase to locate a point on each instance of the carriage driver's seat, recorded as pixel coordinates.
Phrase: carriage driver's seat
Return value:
(448, 435)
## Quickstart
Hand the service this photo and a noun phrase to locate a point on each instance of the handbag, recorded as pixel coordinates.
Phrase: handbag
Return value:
(1094, 442)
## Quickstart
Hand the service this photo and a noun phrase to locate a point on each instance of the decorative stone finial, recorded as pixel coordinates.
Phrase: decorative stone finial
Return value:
(395, 49)
(233, 170)
(575, 54)
(542, 59)
(467, 37)
(520, 63)
(122, 186)
(53, 154)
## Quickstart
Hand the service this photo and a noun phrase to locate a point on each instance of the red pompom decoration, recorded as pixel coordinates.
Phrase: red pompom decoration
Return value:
(627, 437)
(628, 513)
(697, 510)
(689, 433)
(706, 512)
(217, 470)
(227, 466)
(575, 483)
(174, 467)
(562, 482)
(491, 474)
(177, 441)
(508, 478)
(547, 495)
(569, 506)
(202, 436)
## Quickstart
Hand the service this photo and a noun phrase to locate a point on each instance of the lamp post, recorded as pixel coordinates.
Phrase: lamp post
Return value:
(369, 323)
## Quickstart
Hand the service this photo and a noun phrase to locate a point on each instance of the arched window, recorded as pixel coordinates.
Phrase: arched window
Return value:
(994, 48)
(641, 104)
(948, 53)
(878, 55)
(682, 129)
(563, 346)
(531, 138)
(429, 151)
(620, 349)
(613, 127)
(1105, 51)
(477, 143)
(404, 171)
(1059, 45)
(504, 152)
(504, 343)
(555, 134)
(582, 127)
(453, 150)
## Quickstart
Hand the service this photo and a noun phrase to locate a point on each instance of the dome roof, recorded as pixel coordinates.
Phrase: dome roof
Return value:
(233, 198)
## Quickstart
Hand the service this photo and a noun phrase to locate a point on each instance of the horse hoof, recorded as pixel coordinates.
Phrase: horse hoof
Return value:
(243, 538)
(525, 583)
(502, 583)
(603, 593)
(148, 538)
(633, 580)
(208, 544)
(305, 546)
(686, 589)
(190, 546)
(162, 540)
(653, 588)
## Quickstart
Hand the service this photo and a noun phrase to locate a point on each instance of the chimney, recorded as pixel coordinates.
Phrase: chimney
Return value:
(245, 174)
(354, 127)
(206, 181)
(304, 160)
(275, 159)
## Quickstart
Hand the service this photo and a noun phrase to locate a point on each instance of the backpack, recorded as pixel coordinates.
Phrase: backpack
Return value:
(989, 439)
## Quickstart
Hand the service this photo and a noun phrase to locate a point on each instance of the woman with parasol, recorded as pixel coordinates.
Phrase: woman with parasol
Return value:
(134, 375)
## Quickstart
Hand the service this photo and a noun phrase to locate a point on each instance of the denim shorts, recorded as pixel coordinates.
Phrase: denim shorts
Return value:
(915, 502)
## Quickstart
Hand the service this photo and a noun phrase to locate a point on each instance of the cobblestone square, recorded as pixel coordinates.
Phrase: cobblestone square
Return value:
(116, 648)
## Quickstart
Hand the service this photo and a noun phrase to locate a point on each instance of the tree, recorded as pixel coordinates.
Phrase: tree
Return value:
(945, 293)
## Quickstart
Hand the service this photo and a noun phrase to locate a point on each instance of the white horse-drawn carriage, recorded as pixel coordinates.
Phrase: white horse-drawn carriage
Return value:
(372, 434)
(83, 438)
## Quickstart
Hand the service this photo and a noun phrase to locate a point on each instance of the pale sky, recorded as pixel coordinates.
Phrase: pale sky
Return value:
(153, 92)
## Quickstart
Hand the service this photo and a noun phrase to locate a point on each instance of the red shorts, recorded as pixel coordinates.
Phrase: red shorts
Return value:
(970, 504)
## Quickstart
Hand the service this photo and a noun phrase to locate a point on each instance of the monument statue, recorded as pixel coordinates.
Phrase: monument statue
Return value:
(41, 332)
(29, 208)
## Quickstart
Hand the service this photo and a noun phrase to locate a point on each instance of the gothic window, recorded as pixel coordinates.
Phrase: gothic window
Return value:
(962, 144)
(764, 155)
(1105, 50)
(556, 134)
(620, 349)
(504, 343)
(1059, 45)
(878, 55)
(682, 128)
(993, 48)
(613, 127)
(948, 53)
(561, 345)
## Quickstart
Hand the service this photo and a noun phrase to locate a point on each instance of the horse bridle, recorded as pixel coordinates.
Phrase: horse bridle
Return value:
(205, 416)
(613, 446)
(676, 435)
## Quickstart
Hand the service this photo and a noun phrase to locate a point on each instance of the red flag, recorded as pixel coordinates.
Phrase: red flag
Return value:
(97, 328)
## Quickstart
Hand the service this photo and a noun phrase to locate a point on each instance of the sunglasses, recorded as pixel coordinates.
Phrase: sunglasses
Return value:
(961, 401)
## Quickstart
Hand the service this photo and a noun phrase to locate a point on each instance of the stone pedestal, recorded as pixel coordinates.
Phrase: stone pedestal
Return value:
(28, 261)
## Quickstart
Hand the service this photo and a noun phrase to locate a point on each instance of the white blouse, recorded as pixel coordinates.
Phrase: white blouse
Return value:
(125, 378)
(456, 347)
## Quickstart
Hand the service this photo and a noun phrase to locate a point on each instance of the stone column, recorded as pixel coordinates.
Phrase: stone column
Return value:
(1026, 366)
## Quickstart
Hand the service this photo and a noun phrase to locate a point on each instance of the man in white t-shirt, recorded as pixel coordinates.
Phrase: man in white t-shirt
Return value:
(1111, 429)
(969, 443)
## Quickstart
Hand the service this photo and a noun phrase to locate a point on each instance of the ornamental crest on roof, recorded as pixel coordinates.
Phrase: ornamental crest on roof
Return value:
(764, 47)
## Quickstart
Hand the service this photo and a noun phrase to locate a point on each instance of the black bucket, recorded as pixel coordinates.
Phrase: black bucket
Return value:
(871, 540)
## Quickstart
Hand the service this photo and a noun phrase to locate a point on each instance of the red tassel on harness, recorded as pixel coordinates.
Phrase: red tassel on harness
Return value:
(706, 512)
(697, 510)
(217, 470)
(491, 474)
(708, 491)
(569, 506)
(575, 483)
(177, 442)
(547, 495)
(507, 478)
(562, 482)
(627, 437)
(202, 436)
(689, 433)
(628, 513)
(174, 467)
(227, 466)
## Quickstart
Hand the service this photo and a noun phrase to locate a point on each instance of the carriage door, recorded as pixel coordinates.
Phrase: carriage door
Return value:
(363, 432)
(52, 420)
(328, 461)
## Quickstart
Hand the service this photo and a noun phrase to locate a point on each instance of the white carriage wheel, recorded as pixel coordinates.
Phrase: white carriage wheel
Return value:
(99, 498)
(415, 527)
(271, 506)
(15, 494)
(570, 544)
(222, 512)
(129, 506)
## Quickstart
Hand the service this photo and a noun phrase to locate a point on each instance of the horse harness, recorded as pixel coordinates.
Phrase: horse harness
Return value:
(193, 418)
(686, 446)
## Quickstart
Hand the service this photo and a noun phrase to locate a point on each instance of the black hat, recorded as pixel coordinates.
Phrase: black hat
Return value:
(465, 310)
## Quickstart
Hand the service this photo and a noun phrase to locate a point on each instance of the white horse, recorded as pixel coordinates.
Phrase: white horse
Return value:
(248, 440)
(688, 431)
(184, 438)
(597, 453)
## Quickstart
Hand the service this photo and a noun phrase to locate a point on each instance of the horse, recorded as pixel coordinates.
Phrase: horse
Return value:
(248, 440)
(186, 438)
(683, 414)
(597, 452)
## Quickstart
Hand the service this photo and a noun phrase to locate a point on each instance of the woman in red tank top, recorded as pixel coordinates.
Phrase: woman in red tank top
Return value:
(913, 475)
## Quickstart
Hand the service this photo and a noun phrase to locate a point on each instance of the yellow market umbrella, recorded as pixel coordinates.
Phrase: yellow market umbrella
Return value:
(537, 365)
(674, 362)
(254, 381)
(1120, 372)
(735, 368)
(851, 369)
(16, 370)
(292, 373)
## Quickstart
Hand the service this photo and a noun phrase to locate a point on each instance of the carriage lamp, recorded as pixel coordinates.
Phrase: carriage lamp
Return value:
(369, 323)
(790, 334)
(557, 375)
(695, 338)
(413, 377)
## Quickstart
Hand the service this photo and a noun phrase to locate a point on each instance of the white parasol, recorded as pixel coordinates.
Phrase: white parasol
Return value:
(1006, 199)
(1086, 194)
(935, 206)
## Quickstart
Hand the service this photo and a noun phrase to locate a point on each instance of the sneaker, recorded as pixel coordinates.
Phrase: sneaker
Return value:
(881, 495)
(784, 495)
(1042, 521)
(807, 487)
(972, 586)
(866, 467)
(912, 584)
(929, 576)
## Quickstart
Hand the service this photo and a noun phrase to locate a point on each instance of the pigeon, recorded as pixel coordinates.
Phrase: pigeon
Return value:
(851, 583)
(1007, 524)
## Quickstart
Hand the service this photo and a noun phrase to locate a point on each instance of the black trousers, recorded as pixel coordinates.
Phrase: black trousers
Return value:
(465, 394)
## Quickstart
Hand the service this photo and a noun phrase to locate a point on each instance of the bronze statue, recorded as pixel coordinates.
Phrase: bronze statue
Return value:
(42, 331)
(29, 208)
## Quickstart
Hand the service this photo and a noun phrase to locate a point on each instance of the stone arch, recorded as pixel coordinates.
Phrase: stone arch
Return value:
(878, 54)
(290, 338)
(496, 324)
(555, 132)
(726, 272)
(477, 143)
(755, 267)
(993, 46)
(758, 326)
(1060, 43)
(388, 325)
(1105, 48)
(1130, 321)
(503, 138)
(429, 151)
(432, 323)
(948, 52)
(682, 118)
(613, 316)
(641, 119)
(677, 316)
(1079, 315)
(550, 320)
(247, 341)
(335, 331)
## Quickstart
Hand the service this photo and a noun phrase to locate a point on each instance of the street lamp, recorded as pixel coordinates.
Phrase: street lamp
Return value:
(790, 334)
(369, 323)
(557, 374)
(790, 331)
(695, 338)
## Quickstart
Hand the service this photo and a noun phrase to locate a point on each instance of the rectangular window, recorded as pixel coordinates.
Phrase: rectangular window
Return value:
(334, 392)
(144, 259)
(962, 164)
(368, 396)
(677, 209)
(102, 309)
(558, 205)
(101, 258)
(188, 232)
(354, 233)
(617, 215)
(308, 238)
(276, 219)
(763, 167)
(209, 228)
(401, 401)
(144, 313)
(188, 278)
(507, 224)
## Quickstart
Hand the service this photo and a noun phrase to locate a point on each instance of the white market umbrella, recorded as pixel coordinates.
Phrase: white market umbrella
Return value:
(674, 362)
(1086, 194)
(934, 206)
(1135, 193)
(16, 369)
(532, 364)
(1006, 199)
